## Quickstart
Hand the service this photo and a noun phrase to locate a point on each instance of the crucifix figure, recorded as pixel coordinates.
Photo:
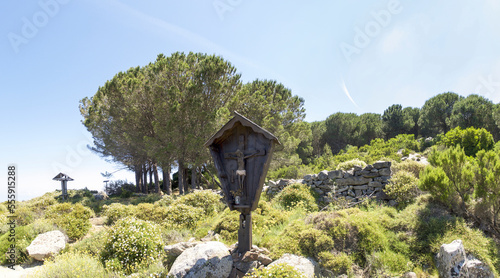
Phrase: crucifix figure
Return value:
(240, 157)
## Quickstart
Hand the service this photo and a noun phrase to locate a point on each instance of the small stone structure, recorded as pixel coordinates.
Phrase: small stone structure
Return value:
(354, 184)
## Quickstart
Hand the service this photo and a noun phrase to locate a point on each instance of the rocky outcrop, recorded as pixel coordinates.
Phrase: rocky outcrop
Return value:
(101, 196)
(354, 184)
(307, 266)
(47, 245)
(245, 263)
(207, 259)
(452, 261)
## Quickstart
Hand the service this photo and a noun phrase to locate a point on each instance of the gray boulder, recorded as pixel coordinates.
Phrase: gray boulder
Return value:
(177, 249)
(382, 164)
(475, 268)
(450, 258)
(47, 245)
(323, 175)
(305, 265)
(337, 174)
(208, 259)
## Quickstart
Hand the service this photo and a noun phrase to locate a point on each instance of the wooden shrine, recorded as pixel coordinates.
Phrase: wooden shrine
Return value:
(242, 152)
(64, 183)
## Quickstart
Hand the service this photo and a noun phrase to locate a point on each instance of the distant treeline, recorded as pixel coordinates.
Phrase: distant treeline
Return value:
(160, 115)
(438, 115)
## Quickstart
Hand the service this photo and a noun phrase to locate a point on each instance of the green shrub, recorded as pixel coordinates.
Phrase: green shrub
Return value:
(72, 264)
(207, 200)
(339, 263)
(73, 219)
(470, 139)
(487, 191)
(296, 195)
(117, 211)
(92, 245)
(150, 212)
(403, 187)
(410, 166)
(281, 270)
(351, 164)
(313, 241)
(25, 215)
(165, 201)
(132, 244)
(182, 216)
(386, 262)
(228, 224)
(288, 240)
(451, 179)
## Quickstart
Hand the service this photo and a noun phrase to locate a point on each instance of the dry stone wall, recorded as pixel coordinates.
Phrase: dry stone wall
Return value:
(354, 184)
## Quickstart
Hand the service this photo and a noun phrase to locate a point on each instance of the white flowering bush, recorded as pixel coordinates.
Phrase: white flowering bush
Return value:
(132, 244)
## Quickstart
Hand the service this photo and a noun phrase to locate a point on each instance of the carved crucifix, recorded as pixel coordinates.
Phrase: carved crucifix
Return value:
(240, 157)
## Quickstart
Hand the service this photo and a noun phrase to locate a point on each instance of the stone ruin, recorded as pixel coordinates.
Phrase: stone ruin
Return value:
(354, 185)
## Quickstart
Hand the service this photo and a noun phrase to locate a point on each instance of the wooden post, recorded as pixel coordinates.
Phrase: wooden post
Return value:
(64, 189)
(245, 233)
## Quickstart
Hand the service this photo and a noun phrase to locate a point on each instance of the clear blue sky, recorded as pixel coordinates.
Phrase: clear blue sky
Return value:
(346, 56)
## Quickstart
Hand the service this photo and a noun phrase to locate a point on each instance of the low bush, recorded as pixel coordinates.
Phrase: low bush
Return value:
(132, 244)
(403, 187)
(116, 211)
(72, 264)
(150, 212)
(470, 139)
(165, 201)
(73, 219)
(411, 166)
(207, 200)
(281, 270)
(92, 245)
(313, 241)
(350, 164)
(338, 264)
(182, 216)
(296, 195)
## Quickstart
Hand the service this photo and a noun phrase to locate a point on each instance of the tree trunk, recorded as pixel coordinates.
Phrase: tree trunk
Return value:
(157, 181)
(150, 169)
(181, 178)
(145, 179)
(185, 182)
(138, 178)
(167, 186)
(193, 178)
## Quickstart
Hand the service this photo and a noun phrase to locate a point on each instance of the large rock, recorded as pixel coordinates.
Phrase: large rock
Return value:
(475, 268)
(305, 265)
(323, 175)
(47, 245)
(382, 164)
(452, 261)
(337, 174)
(209, 259)
(177, 249)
